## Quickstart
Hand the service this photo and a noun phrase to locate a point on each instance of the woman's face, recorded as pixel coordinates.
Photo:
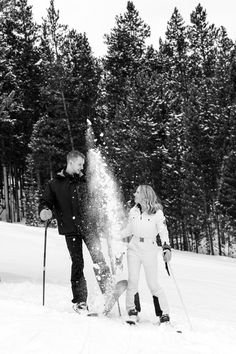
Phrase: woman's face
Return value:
(137, 196)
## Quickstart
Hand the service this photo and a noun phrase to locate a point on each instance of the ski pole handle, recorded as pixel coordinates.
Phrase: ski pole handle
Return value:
(167, 269)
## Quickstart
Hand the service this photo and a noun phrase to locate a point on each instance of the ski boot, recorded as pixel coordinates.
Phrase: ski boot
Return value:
(81, 308)
(133, 317)
(165, 319)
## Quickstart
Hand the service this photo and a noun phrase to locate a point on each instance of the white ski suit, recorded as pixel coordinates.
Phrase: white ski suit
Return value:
(142, 249)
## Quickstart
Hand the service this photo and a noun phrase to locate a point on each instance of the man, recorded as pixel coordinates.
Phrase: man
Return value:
(66, 197)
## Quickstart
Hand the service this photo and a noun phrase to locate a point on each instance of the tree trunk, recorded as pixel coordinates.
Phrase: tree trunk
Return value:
(6, 193)
(210, 239)
(196, 233)
(185, 239)
(207, 229)
(218, 233)
(17, 187)
(50, 166)
(67, 119)
(176, 236)
(191, 245)
(21, 182)
(12, 202)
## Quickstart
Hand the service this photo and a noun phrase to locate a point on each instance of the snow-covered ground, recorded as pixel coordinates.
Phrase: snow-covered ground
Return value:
(207, 285)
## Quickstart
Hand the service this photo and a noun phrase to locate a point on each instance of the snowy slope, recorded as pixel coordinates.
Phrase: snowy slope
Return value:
(207, 285)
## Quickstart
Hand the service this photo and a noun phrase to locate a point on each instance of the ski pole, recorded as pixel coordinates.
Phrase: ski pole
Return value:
(44, 257)
(180, 296)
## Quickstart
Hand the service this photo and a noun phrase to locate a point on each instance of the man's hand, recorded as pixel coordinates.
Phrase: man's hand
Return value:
(45, 214)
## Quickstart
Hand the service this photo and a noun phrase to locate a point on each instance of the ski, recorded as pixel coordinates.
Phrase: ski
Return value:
(94, 314)
(170, 325)
(162, 325)
(112, 299)
(131, 322)
(134, 322)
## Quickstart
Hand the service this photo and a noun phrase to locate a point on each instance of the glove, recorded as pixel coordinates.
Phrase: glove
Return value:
(166, 253)
(45, 214)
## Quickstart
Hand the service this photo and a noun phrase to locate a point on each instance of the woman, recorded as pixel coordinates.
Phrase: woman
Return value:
(146, 221)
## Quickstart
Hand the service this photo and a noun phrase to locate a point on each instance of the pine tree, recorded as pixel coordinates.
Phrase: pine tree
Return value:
(208, 115)
(224, 133)
(19, 33)
(68, 93)
(124, 60)
(81, 84)
(126, 46)
(53, 35)
(71, 76)
(174, 86)
(20, 77)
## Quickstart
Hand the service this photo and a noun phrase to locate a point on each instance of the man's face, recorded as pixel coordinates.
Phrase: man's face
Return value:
(77, 165)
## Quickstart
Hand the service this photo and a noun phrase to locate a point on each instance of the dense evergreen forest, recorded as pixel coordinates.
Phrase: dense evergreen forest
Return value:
(163, 115)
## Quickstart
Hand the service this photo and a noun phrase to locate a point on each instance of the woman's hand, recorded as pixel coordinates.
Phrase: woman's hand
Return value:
(166, 253)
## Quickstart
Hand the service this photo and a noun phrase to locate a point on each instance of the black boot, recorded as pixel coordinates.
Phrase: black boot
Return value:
(137, 302)
(157, 307)
(165, 318)
(132, 317)
(79, 290)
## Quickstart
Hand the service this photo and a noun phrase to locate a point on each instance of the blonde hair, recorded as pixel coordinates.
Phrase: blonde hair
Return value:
(149, 198)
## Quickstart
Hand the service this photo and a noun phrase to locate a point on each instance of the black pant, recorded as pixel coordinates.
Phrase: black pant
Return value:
(156, 303)
(102, 271)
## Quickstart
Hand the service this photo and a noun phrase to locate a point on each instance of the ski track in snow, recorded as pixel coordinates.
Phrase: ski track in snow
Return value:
(207, 285)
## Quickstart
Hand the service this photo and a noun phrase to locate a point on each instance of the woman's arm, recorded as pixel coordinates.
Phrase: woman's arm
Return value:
(162, 227)
(164, 235)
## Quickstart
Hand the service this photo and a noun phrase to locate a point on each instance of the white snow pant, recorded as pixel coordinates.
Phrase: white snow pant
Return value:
(143, 253)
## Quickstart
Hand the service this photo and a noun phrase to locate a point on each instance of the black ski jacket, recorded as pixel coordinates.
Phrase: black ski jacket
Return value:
(66, 196)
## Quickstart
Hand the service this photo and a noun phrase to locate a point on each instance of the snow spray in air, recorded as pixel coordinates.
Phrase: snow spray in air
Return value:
(106, 207)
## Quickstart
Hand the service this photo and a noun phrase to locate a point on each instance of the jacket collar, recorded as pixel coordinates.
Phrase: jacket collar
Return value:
(63, 174)
(139, 208)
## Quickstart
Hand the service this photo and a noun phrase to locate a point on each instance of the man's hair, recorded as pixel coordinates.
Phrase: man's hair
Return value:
(74, 154)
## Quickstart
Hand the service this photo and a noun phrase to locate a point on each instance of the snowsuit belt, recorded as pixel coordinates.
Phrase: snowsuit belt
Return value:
(145, 240)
